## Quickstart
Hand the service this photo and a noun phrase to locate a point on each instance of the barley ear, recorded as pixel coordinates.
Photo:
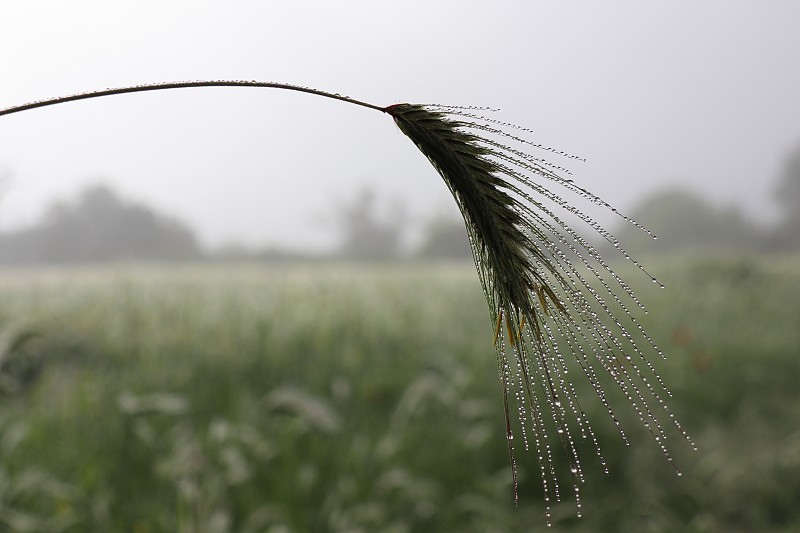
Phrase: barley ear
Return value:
(547, 287)
(504, 254)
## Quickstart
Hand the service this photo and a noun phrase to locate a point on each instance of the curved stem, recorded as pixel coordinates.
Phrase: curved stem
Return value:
(184, 85)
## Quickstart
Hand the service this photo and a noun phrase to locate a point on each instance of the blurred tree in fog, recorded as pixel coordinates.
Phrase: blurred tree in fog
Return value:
(445, 238)
(787, 233)
(365, 235)
(683, 220)
(99, 227)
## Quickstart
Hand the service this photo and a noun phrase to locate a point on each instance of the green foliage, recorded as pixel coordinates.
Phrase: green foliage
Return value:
(20, 364)
(324, 398)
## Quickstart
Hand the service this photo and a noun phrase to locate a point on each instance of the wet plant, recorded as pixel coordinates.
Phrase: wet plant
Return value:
(20, 365)
(556, 305)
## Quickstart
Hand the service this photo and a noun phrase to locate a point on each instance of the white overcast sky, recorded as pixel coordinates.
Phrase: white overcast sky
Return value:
(701, 94)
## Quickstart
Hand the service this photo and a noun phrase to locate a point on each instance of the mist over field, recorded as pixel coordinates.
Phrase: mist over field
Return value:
(655, 96)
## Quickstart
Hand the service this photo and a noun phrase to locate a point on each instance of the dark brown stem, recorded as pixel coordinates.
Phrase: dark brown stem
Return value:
(184, 85)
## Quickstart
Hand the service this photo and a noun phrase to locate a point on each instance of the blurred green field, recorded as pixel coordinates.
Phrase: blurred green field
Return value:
(249, 398)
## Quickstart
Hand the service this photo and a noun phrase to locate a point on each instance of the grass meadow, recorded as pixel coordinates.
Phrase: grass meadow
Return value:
(351, 398)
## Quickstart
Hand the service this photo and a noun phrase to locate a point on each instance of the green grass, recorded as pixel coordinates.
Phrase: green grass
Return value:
(340, 398)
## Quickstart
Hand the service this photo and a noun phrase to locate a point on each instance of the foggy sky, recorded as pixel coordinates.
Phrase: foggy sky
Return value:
(702, 94)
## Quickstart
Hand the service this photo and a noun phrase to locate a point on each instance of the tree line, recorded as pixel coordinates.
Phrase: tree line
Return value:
(99, 227)
(683, 220)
